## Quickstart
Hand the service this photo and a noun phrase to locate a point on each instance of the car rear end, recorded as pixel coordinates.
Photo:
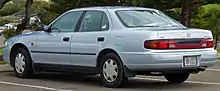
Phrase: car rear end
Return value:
(155, 42)
(174, 50)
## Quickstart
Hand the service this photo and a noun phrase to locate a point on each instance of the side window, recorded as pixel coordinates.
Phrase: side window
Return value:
(94, 21)
(67, 22)
(105, 22)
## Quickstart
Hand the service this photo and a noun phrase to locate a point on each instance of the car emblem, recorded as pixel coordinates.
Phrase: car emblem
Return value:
(188, 35)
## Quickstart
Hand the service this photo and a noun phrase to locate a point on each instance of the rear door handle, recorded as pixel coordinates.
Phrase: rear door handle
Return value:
(101, 39)
(66, 38)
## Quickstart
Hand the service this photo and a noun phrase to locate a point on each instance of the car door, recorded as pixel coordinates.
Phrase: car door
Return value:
(54, 47)
(88, 40)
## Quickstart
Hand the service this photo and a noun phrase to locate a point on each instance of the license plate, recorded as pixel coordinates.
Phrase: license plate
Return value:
(190, 61)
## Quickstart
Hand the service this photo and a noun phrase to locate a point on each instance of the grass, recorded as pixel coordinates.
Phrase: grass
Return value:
(2, 62)
(1, 53)
(218, 50)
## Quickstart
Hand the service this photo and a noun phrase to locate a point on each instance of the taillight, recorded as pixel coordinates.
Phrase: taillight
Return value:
(160, 44)
(207, 43)
(171, 44)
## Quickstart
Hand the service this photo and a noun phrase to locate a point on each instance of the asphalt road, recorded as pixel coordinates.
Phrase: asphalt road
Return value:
(204, 81)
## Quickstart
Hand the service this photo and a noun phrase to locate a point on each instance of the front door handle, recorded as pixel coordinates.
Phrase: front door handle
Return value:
(66, 38)
(101, 39)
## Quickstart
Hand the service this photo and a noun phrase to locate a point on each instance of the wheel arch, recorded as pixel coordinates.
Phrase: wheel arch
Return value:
(13, 50)
(104, 52)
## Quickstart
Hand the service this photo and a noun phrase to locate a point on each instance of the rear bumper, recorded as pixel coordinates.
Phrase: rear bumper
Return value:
(166, 61)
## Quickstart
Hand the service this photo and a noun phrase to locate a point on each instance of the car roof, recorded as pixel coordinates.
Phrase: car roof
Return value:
(112, 8)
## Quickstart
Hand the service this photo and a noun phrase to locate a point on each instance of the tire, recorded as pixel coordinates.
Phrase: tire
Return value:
(22, 64)
(116, 80)
(177, 77)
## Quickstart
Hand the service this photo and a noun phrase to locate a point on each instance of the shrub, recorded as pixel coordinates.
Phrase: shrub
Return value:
(34, 24)
(9, 33)
(10, 8)
(4, 21)
(46, 16)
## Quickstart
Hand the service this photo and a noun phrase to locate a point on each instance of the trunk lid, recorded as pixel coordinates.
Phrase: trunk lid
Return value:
(184, 34)
(181, 39)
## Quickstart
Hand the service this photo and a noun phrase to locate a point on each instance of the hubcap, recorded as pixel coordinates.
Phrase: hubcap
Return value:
(20, 63)
(110, 70)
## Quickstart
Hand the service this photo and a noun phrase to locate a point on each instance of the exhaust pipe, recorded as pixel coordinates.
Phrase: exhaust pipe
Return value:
(202, 68)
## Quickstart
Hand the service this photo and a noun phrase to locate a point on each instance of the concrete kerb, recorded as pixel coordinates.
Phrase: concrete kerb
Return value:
(5, 68)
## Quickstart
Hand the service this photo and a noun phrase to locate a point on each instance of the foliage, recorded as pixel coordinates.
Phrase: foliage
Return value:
(9, 19)
(60, 6)
(11, 8)
(35, 24)
(46, 16)
(2, 62)
(1, 52)
(41, 9)
(9, 33)
(208, 17)
(162, 4)
(3, 2)
(48, 11)
(4, 21)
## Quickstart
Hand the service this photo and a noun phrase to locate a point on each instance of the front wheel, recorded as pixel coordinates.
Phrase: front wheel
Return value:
(22, 64)
(112, 73)
(177, 77)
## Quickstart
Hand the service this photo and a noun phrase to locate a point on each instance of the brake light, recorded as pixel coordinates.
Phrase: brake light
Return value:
(160, 44)
(207, 43)
(171, 44)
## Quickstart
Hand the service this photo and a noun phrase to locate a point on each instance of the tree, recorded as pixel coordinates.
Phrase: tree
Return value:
(60, 6)
(189, 8)
(3, 2)
(26, 19)
(78, 3)
(11, 8)
(208, 17)
(186, 12)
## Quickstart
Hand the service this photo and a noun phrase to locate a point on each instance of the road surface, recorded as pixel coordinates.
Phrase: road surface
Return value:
(204, 81)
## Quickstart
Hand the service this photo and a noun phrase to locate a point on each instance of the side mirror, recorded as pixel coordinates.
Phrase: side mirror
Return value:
(44, 27)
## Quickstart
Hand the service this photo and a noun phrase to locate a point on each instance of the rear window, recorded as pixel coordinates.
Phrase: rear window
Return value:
(145, 18)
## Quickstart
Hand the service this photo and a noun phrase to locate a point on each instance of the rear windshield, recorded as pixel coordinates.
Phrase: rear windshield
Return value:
(145, 18)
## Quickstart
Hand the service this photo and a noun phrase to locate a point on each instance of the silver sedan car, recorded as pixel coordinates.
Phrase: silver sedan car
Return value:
(115, 42)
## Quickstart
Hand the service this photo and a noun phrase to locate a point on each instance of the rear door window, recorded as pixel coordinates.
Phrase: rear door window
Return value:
(94, 21)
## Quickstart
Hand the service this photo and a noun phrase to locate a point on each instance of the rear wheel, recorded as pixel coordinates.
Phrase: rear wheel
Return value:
(22, 64)
(112, 73)
(177, 77)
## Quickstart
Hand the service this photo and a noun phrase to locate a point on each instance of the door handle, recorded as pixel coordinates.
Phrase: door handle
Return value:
(66, 38)
(100, 39)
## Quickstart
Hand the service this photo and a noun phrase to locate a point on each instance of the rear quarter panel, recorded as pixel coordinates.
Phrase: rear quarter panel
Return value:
(126, 41)
(130, 41)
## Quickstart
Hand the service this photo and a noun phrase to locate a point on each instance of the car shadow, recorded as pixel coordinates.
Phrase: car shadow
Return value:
(94, 80)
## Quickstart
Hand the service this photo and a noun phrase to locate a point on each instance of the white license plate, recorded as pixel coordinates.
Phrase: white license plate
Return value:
(190, 61)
